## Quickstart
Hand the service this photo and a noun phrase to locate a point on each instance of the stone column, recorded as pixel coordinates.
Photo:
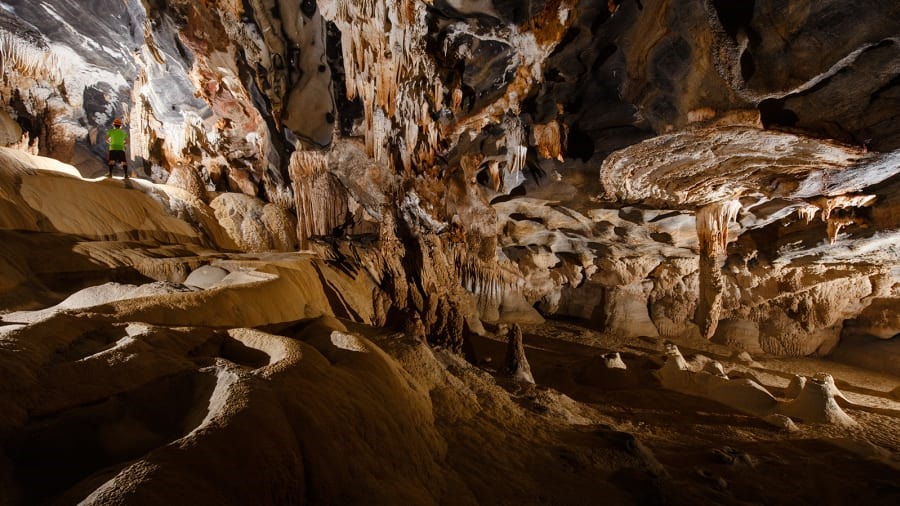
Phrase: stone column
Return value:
(712, 232)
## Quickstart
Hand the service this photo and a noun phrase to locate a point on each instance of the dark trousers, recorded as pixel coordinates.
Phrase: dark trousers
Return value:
(117, 156)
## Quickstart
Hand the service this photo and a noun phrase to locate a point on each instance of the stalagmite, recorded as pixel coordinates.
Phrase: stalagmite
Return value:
(674, 359)
(710, 381)
(797, 384)
(712, 232)
(816, 403)
(613, 361)
(516, 364)
(715, 368)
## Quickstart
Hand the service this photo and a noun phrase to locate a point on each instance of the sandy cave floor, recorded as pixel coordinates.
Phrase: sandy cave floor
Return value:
(581, 435)
(705, 445)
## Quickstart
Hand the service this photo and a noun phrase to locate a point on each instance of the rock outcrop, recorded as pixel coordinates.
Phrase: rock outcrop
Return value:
(658, 168)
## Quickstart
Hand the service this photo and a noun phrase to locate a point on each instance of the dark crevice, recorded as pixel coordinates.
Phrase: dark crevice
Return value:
(308, 8)
(773, 113)
(348, 111)
(336, 300)
(567, 40)
(604, 54)
(734, 14)
(579, 144)
(748, 66)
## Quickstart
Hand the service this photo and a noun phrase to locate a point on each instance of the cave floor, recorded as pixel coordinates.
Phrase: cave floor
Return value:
(581, 434)
(713, 453)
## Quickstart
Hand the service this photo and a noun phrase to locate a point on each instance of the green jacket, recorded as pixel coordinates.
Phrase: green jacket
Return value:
(117, 139)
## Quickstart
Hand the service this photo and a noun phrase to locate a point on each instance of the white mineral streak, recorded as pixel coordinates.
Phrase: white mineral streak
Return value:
(419, 217)
(531, 47)
(516, 146)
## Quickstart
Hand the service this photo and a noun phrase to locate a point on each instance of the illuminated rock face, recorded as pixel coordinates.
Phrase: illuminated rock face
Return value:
(691, 167)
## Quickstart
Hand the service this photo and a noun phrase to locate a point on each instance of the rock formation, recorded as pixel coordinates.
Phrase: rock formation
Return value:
(461, 108)
(716, 173)
(516, 364)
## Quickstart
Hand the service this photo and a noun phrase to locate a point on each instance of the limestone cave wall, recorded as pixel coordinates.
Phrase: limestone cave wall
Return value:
(724, 169)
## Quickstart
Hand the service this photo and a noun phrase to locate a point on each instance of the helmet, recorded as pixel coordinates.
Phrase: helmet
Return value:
(117, 122)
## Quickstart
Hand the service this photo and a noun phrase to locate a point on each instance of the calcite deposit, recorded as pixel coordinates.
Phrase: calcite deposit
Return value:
(561, 242)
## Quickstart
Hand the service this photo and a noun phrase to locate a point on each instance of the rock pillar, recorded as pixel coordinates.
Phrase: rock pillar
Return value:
(712, 231)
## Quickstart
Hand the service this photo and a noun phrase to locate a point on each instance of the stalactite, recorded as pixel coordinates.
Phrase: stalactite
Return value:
(488, 281)
(28, 58)
(516, 153)
(381, 132)
(807, 213)
(829, 204)
(532, 47)
(431, 141)
(140, 119)
(712, 226)
(456, 99)
(27, 144)
(494, 171)
(835, 224)
(388, 67)
(265, 47)
(549, 139)
(320, 200)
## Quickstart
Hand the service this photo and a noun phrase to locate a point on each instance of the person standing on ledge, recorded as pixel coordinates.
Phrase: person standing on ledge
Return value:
(117, 138)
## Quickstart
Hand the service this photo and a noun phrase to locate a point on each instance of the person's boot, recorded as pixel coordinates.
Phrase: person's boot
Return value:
(110, 171)
(125, 170)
